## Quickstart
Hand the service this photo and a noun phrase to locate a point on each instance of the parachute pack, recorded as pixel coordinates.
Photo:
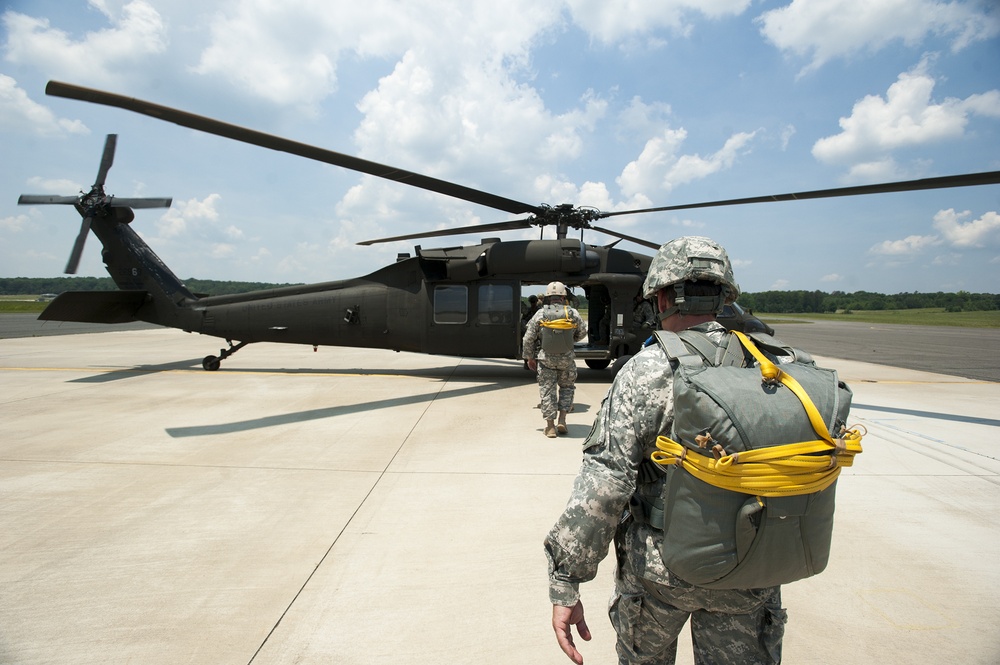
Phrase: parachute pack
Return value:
(557, 330)
(747, 478)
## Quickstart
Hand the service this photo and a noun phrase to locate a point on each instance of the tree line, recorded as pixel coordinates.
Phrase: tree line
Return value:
(13, 286)
(776, 302)
(802, 302)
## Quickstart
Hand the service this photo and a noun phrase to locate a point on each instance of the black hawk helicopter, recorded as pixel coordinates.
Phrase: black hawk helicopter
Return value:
(458, 301)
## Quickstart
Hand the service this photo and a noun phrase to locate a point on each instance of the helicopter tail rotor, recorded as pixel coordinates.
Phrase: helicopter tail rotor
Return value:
(95, 203)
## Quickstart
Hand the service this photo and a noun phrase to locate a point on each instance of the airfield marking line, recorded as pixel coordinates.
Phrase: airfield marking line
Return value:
(955, 381)
(200, 372)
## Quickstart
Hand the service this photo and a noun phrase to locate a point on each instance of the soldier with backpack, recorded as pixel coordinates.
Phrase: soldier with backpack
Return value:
(663, 457)
(558, 327)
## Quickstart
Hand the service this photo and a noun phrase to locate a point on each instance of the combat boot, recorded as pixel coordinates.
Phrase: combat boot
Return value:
(561, 425)
(550, 429)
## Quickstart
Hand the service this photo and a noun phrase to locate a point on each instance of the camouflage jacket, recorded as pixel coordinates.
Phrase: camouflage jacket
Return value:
(531, 344)
(636, 409)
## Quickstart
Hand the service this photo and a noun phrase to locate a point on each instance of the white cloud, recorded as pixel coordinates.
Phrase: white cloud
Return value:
(954, 232)
(222, 251)
(288, 53)
(19, 112)
(14, 223)
(906, 117)
(101, 56)
(787, 132)
(642, 118)
(54, 186)
(827, 29)
(174, 222)
(659, 167)
(612, 21)
(833, 277)
(975, 233)
(907, 246)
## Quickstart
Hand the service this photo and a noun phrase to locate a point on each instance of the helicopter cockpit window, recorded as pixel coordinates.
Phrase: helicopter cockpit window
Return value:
(451, 304)
(496, 304)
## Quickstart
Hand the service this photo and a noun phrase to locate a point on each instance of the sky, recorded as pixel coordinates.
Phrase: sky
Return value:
(618, 105)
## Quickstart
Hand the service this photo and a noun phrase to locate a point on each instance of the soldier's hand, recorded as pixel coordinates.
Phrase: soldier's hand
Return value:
(563, 619)
(533, 365)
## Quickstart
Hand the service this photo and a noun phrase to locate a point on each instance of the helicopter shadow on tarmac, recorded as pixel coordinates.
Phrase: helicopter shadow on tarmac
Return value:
(988, 422)
(483, 368)
(327, 412)
(376, 405)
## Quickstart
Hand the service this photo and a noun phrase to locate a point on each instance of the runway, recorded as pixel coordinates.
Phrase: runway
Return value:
(358, 506)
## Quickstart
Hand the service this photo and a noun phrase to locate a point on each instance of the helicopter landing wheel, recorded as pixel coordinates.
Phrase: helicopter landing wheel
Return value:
(211, 363)
(597, 363)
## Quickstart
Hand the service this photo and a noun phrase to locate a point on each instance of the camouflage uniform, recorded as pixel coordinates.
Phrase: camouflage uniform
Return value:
(556, 373)
(650, 605)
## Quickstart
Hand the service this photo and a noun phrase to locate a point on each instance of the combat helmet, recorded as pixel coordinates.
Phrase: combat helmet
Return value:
(555, 289)
(690, 259)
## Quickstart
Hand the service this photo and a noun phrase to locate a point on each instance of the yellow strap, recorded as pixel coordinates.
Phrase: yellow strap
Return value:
(783, 470)
(559, 324)
(771, 373)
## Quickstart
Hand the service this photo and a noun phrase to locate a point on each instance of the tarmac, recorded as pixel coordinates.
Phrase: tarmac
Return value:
(358, 506)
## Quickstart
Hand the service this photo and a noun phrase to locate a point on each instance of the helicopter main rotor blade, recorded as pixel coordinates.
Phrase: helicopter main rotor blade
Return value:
(107, 159)
(481, 228)
(81, 238)
(944, 182)
(618, 234)
(277, 143)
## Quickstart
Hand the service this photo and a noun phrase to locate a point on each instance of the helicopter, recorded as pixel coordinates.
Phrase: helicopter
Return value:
(456, 300)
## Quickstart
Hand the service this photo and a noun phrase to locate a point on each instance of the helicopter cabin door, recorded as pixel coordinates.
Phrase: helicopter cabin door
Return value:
(478, 319)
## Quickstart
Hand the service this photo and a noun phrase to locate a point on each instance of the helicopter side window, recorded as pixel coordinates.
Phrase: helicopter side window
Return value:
(451, 304)
(496, 304)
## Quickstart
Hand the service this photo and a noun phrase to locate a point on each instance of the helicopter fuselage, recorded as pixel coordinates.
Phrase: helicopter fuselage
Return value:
(458, 301)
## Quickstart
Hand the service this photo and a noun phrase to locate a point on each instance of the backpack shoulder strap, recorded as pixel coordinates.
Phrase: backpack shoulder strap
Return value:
(699, 344)
(676, 349)
(705, 347)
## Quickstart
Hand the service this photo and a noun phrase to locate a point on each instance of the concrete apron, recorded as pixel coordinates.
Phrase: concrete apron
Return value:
(355, 506)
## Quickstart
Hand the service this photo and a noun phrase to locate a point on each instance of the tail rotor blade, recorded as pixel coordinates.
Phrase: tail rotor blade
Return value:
(140, 203)
(107, 159)
(74, 257)
(46, 199)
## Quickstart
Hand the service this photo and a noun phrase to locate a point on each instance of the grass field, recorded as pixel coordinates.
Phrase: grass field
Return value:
(935, 316)
(917, 317)
(20, 304)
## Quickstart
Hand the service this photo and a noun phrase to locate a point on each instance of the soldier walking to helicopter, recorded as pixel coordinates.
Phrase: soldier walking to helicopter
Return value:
(559, 327)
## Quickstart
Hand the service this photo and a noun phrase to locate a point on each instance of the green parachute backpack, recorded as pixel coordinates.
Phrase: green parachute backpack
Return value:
(751, 465)
(557, 330)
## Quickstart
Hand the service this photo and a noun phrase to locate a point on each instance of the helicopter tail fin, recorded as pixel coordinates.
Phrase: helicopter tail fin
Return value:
(150, 291)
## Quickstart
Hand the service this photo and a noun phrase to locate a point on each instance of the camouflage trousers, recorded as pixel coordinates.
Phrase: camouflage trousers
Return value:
(556, 384)
(728, 627)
